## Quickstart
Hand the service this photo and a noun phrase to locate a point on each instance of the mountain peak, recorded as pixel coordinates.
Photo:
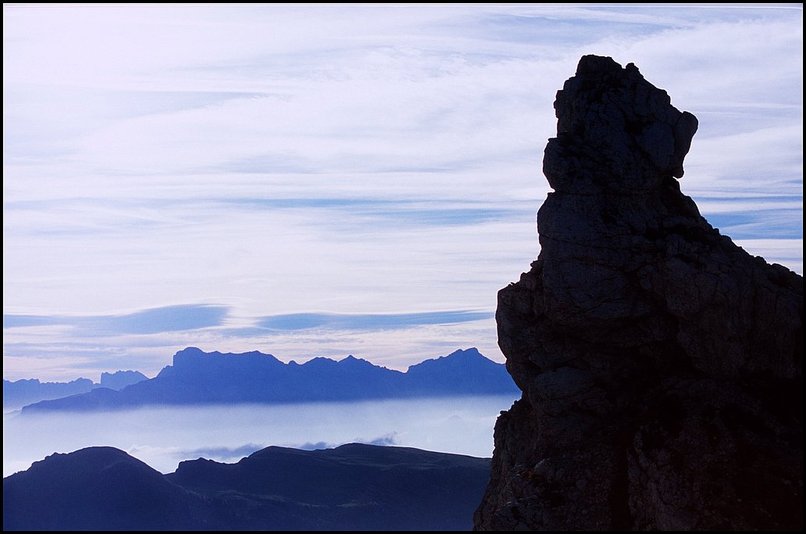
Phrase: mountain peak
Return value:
(102, 455)
(121, 379)
(457, 358)
(351, 360)
(469, 352)
(97, 488)
(191, 353)
(195, 355)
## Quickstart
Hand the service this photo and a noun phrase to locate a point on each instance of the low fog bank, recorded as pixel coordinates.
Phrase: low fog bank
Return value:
(164, 436)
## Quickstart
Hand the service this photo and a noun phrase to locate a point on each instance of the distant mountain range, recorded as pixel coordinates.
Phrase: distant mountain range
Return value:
(21, 392)
(198, 377)
(352, 487)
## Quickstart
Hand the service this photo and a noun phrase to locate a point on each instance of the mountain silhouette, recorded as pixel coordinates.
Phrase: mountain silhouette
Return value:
(18, 393)
(458, 373)
(352, 487)
(121, 379)
(198, 377)
(97, 488)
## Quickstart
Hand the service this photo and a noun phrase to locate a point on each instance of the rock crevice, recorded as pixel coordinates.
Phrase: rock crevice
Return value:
(660, 364)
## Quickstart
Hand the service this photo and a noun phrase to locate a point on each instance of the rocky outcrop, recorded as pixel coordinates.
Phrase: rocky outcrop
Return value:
(660, 364)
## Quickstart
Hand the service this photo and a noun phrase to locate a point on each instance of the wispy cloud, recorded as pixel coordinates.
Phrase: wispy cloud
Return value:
(219, 453)
(152, 321)
(361, 160)
(384, 441)
(757, 224)
(332, 321)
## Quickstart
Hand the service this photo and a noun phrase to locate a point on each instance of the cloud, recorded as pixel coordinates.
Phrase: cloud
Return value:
(332, 321)
(381, 441)
(165, 319)
(363, 160)
(319, 445)
(151, 321)
(385, 441)
(219, 453)
(760, 224)
(787, 252)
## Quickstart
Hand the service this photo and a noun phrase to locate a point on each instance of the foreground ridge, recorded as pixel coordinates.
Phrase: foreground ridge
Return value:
(660, 364)
(351, 487)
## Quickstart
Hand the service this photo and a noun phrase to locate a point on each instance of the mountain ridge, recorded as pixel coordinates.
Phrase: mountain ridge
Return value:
(351, 487)
(18, 393)
(198, 377)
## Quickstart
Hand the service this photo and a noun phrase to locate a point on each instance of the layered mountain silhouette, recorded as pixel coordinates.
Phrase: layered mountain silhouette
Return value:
(352, 487)
(198, 377)
(26, 391)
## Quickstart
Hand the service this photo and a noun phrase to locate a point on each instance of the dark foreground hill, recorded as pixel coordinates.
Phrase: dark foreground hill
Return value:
(352, 487)
(198, 377)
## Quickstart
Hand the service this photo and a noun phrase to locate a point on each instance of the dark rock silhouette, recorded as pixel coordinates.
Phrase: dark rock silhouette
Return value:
(18, 393)
(198, 377)
(352, 487)
(660, 364)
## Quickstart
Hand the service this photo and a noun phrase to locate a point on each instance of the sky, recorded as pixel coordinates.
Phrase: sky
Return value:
(317, 180)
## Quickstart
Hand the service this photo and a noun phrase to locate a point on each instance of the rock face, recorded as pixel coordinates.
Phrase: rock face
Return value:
(660, 364)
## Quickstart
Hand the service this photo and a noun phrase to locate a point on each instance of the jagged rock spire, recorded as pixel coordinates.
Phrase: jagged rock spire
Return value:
(660, 364)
